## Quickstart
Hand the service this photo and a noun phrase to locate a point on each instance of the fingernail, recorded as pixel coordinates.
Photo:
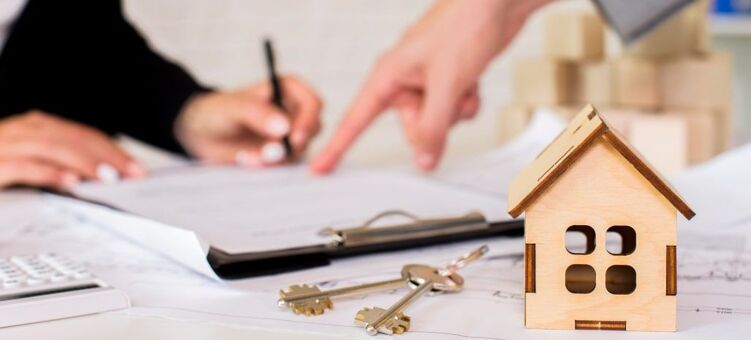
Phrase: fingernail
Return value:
(298, 138)
(245, 158)
(425, 160)
(135, 170)
(70, 180)
(277, 126)
(272, 152)
(107, 173)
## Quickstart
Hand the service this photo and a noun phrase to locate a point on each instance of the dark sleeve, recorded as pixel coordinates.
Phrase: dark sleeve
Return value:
(83, 61)
(631, 19)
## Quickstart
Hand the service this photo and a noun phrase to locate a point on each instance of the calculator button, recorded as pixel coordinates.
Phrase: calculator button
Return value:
(58, 277)
(42, 269)
(45, 273)
(12, 283)
(33, 262)
(35, 281)
(14, 275)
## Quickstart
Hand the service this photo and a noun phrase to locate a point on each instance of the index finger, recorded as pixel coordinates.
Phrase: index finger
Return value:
(370, 102)
(440, 112)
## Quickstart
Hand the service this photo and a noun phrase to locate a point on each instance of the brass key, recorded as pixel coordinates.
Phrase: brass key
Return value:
(423, 279)
(310, 300)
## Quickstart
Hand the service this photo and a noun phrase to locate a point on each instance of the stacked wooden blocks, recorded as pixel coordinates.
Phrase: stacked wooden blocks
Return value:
(667, 93)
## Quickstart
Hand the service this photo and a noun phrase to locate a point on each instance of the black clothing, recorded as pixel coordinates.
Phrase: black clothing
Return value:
(83, 61)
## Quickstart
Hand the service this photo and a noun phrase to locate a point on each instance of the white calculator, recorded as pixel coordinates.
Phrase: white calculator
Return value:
(48, 286)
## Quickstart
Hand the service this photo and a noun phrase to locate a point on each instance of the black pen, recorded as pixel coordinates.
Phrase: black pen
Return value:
(277, 96)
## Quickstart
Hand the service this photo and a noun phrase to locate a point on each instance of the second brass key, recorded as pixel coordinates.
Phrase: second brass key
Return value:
(310, 300)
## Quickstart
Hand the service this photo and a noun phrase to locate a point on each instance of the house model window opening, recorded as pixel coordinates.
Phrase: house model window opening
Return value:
(600, 233)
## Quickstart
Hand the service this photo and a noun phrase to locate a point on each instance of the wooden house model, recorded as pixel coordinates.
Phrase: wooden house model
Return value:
(590, 183)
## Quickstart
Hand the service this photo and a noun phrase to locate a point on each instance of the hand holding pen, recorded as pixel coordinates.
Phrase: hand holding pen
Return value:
(266, 124)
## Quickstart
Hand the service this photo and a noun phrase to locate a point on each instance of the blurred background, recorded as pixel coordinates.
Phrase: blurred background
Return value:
(333, 43)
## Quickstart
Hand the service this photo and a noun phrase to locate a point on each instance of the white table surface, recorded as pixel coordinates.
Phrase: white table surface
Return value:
(117, 326)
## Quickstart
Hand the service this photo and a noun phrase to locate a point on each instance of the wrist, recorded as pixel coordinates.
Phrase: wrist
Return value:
(186, 121)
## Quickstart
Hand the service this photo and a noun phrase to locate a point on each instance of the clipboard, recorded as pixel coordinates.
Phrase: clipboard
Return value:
(442, 208)
(349, 242)
(362, 240)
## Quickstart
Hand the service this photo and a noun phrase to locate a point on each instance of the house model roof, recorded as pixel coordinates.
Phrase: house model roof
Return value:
(586, 128)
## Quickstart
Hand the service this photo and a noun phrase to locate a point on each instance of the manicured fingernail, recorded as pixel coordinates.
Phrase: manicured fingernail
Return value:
(272, 152)
(107, 173)
(245, 158)
(298, 138)
(135, 170)
(70, 180)
(425, 160)
(277, 126)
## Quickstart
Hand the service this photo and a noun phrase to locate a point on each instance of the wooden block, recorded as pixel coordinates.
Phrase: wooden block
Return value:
(626, 82)
(662, 140)
(697, 82)
(574, 36)
(703, 134)
(619, 119)
(635, 83)
(595, 84)
(684, 33)
(544, 82)
(724, 130)
(701, 16)
(512, 120)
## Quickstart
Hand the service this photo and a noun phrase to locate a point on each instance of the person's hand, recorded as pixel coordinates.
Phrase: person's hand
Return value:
(431, 76)
(39, 149)
(245, 127)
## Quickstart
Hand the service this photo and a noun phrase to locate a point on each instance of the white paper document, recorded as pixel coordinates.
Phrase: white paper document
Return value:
(241, 210)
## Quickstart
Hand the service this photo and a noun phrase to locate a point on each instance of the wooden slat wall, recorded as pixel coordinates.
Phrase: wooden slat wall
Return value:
(529, 268)
(600, 325)
(671, 276)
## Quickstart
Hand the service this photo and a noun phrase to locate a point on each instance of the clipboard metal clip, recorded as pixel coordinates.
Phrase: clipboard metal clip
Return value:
(416, 228)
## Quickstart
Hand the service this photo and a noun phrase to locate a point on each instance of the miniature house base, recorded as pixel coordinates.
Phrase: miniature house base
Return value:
(589, 182)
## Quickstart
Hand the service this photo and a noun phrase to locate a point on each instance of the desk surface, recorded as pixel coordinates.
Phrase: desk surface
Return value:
(120, 326)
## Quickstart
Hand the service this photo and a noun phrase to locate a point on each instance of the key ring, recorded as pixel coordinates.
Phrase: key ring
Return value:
(466, 258)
